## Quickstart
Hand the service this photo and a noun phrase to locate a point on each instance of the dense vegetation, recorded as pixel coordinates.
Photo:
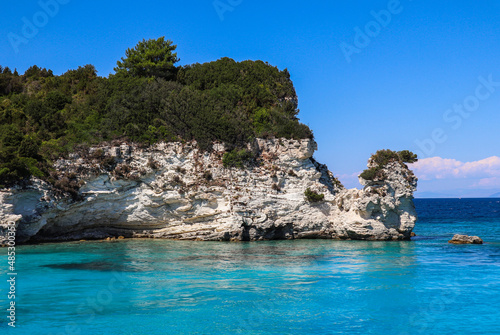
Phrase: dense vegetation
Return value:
(237, 158)
(383, 157)
(45, 116)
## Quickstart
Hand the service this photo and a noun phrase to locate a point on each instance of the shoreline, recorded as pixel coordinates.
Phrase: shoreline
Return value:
(118, 239)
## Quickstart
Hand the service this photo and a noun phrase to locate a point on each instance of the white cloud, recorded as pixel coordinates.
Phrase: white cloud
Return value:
(493, 182)
(486, 170)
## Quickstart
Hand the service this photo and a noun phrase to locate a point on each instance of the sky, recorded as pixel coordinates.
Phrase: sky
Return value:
(410, 74)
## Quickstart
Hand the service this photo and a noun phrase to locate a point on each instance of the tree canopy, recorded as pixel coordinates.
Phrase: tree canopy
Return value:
(149, 58)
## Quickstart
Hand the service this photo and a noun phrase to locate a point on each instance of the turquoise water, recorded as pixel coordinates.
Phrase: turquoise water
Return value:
(278, 287)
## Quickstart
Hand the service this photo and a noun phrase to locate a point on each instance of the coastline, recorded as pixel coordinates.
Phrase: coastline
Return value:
(175, 190)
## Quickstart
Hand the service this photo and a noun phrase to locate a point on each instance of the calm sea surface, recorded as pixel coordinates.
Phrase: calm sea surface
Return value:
(425, 286)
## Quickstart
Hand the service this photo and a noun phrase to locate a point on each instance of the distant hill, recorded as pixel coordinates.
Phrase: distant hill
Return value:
(459, 193)
(422, 195)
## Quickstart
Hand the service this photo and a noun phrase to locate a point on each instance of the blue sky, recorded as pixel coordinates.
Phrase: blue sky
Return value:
(400, 87)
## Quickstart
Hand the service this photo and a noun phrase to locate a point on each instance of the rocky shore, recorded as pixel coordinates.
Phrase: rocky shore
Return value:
(176, 191)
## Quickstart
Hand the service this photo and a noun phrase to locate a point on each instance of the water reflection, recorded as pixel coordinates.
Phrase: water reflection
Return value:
(289, 256)
(285, 276)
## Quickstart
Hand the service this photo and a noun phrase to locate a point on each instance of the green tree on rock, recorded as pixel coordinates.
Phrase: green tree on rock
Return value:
(150, 58)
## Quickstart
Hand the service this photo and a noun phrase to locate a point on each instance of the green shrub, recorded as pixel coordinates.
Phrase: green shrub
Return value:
(383, 157)
(237, 158)
(261, 120)
(56, 101)
(408, 156)
(313, 196)
(33, 166)
(28, 148)
(371, 174)
(13, 172)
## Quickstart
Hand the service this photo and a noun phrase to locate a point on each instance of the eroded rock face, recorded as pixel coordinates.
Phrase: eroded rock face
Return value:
(174, 190)
(383, 210)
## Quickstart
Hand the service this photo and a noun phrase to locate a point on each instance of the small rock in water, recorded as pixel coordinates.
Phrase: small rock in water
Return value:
(413, 234)
(465, 239)
(121, 237)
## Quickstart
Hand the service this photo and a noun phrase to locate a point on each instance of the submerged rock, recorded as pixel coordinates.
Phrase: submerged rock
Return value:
(465, 239)
(163, 191)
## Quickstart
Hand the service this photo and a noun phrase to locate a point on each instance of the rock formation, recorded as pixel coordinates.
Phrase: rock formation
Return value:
(465, 239)
(174, 190)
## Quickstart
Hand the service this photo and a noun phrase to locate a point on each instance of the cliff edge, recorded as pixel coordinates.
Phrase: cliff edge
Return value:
(177, 191)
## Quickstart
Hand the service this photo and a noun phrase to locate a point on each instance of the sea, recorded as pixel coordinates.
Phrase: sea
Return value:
(423, 286)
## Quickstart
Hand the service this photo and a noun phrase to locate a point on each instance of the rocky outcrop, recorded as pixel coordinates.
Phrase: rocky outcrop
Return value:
(465, 239)
(176, 191)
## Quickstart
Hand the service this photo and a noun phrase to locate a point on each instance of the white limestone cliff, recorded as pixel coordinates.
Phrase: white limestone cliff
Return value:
(176, 191)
